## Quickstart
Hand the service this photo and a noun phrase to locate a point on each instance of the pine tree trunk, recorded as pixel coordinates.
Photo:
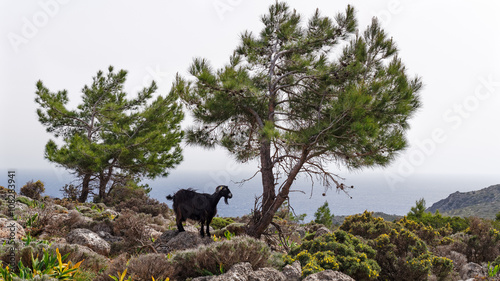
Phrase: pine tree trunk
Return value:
(262, 220)
(85, 188)
(103, 183)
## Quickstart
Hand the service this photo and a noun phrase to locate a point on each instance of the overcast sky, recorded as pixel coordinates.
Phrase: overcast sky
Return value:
(454, 46)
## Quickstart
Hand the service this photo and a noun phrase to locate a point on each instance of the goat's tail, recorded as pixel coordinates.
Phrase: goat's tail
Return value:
(170, 197)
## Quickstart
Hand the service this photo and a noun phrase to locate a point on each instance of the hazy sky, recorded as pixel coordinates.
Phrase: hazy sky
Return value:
(453, 45)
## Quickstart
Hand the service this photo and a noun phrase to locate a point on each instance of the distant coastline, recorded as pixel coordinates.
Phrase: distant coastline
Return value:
(371, 191)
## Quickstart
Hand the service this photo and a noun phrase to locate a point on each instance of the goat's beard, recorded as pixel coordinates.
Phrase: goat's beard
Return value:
(225, 200)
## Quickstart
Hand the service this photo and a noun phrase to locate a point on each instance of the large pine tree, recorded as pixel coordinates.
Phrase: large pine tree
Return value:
(109, 138)
(297, 97)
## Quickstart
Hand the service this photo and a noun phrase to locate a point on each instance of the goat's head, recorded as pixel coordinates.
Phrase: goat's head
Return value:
(224, 191)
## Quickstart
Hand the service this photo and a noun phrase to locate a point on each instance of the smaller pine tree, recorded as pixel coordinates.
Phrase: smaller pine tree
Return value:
(323, 215)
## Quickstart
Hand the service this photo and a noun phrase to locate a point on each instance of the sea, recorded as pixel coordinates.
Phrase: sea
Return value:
(371, 191)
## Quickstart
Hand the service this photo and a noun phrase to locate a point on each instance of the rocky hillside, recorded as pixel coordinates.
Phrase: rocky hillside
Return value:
(484, 203)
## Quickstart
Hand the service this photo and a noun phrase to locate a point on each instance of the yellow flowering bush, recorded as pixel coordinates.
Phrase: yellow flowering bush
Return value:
(404, 256)
(336, 251)
(366, 225)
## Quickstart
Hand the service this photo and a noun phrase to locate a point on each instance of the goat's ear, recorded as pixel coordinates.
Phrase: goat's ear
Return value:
(219, 188)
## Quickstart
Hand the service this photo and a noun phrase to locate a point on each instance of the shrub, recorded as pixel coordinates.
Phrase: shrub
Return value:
(323, 215)
(402, 255)
(437, 221)
(425, 232)
(366, 225)
(33, 189)
(337, 251)
(483, 241)
(218, 223)
(70, 192)
(210, 259)
(143, 267)
(135, 199)
(132, 227)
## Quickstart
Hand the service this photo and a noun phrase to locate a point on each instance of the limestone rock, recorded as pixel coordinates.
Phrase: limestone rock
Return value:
(85, 237)
(244, 272)
(472, 270)
(301, 231)
(293, 271)
(328, 275)
(266, 274)
(172, 240)
(10, 229)
(321, 231)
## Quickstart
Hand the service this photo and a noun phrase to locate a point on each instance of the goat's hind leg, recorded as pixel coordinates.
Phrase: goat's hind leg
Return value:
(179, 224)
(201, 230)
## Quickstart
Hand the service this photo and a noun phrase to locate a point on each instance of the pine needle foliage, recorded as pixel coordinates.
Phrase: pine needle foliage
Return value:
(110, 137)
(300, 95)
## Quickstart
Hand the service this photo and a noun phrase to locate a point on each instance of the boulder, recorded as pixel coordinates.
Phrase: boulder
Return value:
(293, 271)
(172, 240)
(328, 275)
(10, 229)
(108, 237)
(266, 274)
(243, 272)
(301, 231)
(321, 231)
(85, 237)
(472, 270)
(149, 231)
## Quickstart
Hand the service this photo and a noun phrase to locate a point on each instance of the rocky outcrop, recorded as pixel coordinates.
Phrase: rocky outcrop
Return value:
(292, 271)
(321, 231)
(472, 270)
(85, 237)
(173, 240)
(328, 275)
(10, 229)
(244, 272)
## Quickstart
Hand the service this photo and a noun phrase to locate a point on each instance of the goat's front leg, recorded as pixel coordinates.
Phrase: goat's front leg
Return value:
(201, 230)
(209, 220)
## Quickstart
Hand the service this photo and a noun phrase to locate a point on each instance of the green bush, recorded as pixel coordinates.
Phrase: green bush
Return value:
(437, 221)
(33, 190)
(402, 255)
(337, 251)
(425, 232)
(367, 226)
(136, 199)
(483, 242)
(218, 223)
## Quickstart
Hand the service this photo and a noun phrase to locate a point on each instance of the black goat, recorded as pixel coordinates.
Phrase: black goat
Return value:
(202, 207)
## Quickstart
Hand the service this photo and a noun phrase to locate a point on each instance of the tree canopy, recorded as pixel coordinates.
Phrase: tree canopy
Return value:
(298, 96)
(110, 138)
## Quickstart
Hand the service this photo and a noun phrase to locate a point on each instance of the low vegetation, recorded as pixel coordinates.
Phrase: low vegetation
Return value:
(418, 246)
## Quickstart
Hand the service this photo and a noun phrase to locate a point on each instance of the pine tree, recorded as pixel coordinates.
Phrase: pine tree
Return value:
(297, 97)
(109, 137)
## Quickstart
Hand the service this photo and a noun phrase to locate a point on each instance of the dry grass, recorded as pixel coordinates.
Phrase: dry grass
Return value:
(217, 257)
